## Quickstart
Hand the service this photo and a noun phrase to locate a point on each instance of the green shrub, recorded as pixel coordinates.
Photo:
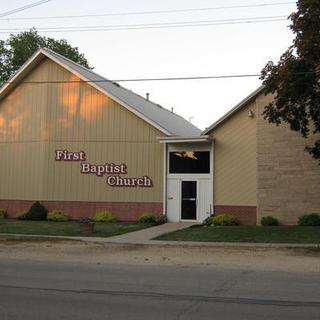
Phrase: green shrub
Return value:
(224, 220)
(104, 216)
(208, 221)
(148, 218)
(269, 221)
(311, 219)
(22, 215)
(3, 214)
(57, 216)
(37, 212)
(161, 219)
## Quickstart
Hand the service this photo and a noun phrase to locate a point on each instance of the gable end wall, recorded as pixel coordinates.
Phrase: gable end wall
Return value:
(37, 119)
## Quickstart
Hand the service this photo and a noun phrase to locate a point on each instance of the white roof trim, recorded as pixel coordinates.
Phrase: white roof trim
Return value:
(203, 138)
(20, 72)
(41, 51)
(234, 109)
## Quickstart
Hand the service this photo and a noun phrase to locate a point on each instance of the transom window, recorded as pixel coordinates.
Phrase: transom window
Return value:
(189, 162)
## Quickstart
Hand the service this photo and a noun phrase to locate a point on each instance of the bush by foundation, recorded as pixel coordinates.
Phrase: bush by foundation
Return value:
(37, 212)
(21, 215)
(57, 216)
(269, 221)
(161, 219)
(224, 220)
(148, 218)
(3, 214)
(311, 219)
(104, 216)
(208, 221)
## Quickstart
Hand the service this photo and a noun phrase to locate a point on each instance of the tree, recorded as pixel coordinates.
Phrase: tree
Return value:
(17, 49)
(295, 80)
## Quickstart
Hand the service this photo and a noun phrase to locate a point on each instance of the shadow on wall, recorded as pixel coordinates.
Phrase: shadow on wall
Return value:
(79, 101)
(12, 116)
(33, 112)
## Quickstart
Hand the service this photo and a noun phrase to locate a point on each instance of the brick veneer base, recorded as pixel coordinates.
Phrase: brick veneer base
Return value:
(124, 211)
(244, 214)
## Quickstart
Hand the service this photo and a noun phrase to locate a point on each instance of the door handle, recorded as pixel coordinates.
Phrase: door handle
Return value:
(170, 198)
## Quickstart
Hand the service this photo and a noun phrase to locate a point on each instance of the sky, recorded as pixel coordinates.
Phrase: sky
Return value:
(212, 50)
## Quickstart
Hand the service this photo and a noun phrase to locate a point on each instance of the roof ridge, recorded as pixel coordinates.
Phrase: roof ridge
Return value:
(162, 118)
(113, 82)
(76, 63)
(168, 123)
(154, 103)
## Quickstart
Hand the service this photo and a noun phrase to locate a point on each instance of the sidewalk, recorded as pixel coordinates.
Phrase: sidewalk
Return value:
(144, 236)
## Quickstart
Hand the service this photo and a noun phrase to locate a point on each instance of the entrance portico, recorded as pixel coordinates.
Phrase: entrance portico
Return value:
(188, 194)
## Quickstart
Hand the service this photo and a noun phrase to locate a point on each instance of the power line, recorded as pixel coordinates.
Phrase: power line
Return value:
(149, 27)
(192, 22)
(181, 24)
(154, 11)
(150, 79)
(28, 6)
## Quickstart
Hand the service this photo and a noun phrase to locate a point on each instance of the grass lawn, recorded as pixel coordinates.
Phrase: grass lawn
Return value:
(67, 228)
(281, 234)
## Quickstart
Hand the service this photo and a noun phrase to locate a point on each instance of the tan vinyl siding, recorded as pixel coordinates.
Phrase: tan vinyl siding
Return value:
(235, 171)
(37, 119)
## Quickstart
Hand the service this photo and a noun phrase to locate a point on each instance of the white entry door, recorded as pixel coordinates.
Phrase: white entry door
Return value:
(182, 200)
(189, 200)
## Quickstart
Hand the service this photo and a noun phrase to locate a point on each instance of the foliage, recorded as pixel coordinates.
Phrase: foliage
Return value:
(161, 219)
(269, 221)
(17, 49)
(21, 215)
(3, 214)
(37, 212)
(208, 221)
(104, 216)
(148, 218)
(57, 216)
(312, 219)
(224, 220)
(86, 221)
(295, 80)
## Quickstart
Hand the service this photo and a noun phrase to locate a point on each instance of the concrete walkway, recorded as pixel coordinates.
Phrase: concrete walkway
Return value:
(145, 235)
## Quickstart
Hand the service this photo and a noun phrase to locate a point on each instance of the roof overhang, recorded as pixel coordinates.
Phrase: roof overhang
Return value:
(239, 106)
(23, 71)
(175, 139)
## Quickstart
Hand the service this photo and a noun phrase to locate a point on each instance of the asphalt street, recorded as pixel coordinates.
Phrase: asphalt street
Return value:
(31, 290)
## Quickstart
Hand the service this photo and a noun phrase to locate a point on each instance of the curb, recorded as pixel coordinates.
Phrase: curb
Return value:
(160, 243)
